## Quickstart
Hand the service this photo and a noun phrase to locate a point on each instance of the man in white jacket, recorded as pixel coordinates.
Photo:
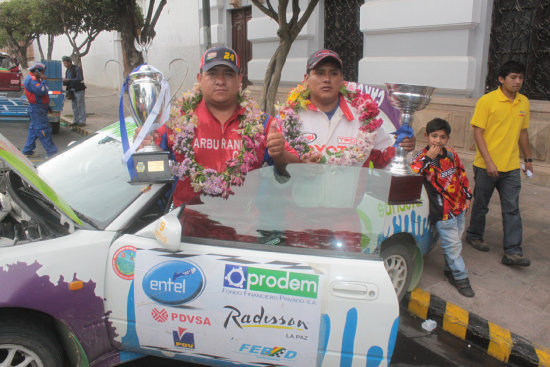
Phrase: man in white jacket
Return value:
(330, 123)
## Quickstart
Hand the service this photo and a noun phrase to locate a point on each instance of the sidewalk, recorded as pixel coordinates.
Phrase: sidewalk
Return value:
(509, 298)
(101, 109)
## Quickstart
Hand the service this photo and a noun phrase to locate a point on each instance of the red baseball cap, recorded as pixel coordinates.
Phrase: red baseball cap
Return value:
(220, 56)
(321, 55)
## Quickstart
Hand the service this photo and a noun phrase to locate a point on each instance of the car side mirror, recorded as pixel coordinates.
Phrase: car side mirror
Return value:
(168, 232)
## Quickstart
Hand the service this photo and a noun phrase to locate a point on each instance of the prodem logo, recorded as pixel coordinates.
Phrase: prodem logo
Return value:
(271, 281)
(173, 282)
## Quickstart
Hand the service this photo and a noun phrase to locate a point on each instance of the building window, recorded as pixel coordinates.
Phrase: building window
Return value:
(521, 31)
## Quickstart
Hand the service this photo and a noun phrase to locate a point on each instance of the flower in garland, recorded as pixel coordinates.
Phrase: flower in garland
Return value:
(298, 100)
(183, 121)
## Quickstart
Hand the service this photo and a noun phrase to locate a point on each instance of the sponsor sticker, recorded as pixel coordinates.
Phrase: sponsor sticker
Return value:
(261, 351)
(183, 338)
(262, 319)
(271, 281)
(173, 282)
(159, 315)
(124, 261)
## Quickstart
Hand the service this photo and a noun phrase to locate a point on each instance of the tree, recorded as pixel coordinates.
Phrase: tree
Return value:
(18, 26)
(287, 33)
(84, 20)
(49, 21)
(136, 30)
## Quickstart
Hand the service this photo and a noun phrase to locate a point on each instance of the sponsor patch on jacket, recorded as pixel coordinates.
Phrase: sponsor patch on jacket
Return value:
(310, 137)
(348, 140)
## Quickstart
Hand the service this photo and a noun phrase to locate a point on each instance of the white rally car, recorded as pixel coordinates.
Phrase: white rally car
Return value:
(95, 271)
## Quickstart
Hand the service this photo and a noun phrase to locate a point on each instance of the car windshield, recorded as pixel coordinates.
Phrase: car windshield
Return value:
(6, 62)
(92, 178)
(318, 206)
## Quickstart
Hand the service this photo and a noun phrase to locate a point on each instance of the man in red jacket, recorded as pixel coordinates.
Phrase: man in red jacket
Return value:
(217, 145)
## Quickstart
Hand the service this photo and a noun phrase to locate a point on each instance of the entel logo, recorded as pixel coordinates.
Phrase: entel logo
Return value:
(273, 352)
(310, 137)
(271, 281)
(173, 282)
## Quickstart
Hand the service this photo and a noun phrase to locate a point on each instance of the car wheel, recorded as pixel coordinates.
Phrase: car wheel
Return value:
(25, 344)
(398, 263)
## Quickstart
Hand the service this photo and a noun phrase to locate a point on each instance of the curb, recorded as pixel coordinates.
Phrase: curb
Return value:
(495, 340)
(78, 129)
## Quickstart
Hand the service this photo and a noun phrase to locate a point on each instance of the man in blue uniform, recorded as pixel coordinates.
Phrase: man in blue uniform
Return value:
(36, 91)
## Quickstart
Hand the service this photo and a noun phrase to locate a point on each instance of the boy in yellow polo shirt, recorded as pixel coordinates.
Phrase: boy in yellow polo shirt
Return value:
(500, 122)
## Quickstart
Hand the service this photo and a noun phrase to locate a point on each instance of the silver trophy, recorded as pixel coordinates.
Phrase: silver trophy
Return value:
(408, 99)
(144, 89)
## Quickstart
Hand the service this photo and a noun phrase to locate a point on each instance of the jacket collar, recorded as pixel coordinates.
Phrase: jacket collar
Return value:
(343, 106)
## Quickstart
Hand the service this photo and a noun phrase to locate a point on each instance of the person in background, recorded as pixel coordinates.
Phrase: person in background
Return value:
(74, 82)
(36, 91)
(500, 122)
(449, 194)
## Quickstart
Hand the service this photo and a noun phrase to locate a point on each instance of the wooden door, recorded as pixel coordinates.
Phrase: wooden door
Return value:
(239, 35)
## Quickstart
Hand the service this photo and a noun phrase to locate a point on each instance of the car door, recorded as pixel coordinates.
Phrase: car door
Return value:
(214, 301)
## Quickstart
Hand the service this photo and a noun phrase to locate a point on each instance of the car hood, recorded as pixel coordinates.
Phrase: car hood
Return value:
(25, 169)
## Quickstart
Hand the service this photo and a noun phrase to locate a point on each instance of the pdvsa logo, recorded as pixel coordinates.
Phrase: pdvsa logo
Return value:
(268, 352)
(183, 339)
(310, 137)
(174, 282)
(159, 315)
(271, 281)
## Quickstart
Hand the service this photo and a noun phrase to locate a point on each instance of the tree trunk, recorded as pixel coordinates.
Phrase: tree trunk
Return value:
(51, 38)
(267, 79)
(131, 57)
(40, 48)
(281, 54)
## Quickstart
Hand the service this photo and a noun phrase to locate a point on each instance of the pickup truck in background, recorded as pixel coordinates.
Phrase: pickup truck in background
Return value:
(10, 77)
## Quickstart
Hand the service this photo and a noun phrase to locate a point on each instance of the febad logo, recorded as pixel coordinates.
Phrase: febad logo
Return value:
(173, 282)
(271, 281)
(268, 352)
(183, 339)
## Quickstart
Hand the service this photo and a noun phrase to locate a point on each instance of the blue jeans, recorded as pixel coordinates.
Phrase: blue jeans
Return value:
(508, 185)
(79, 108)
(450, 231)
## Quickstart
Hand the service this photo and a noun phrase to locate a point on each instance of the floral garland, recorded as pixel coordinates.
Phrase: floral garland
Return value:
(298, 99)
(183, 121)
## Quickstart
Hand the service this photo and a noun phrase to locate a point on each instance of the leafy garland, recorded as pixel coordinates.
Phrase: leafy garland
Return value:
(298, 100)
(183, 121)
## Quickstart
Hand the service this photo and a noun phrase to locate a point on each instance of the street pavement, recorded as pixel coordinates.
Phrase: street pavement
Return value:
(512, 301)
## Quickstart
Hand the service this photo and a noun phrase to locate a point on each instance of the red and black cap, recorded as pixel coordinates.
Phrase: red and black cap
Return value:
(320, 55)
(220, 56)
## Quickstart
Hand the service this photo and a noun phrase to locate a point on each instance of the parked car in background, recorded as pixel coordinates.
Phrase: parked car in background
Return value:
(10, 76)
(287, 271)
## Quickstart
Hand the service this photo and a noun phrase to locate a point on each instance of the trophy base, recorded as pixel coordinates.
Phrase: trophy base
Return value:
(396, 189)
(405, 189)
(151, 167)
